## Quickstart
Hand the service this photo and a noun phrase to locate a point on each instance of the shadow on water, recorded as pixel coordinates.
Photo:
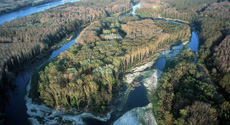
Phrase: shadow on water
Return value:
(16, 109)
(137, 98)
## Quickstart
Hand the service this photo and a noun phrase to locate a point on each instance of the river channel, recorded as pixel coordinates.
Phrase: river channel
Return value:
(30, 10)
(16, 110)
(138, 96)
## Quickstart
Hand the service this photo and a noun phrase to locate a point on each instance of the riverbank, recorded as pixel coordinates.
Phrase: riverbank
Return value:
(34, 111)
(21, 12)
(137, 116)
(41, 114)
(22, 78)
(37, 110)
(8, 7)
(151, 75)
(176, 20)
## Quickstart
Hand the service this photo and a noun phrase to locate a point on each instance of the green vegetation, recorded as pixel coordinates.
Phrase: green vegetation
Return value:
(185, 95)
(24, 38)
(7, 6)
(32, 35)
(88, 74)
(184, 9)
(214, 46)
(188, 92)
(225, 83)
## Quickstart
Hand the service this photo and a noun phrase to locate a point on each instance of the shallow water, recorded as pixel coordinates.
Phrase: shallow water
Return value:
(134, 8)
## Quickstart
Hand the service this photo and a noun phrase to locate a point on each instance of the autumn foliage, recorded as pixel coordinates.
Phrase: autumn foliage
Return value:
(88, 75)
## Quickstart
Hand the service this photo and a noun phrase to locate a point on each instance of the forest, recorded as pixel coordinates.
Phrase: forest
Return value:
(88, 75)
(22, 39)
(186, 95)
(187, 92)
(7, 6)
(34, 34)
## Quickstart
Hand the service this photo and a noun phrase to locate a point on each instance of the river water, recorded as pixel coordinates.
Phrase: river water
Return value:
(30, 10)
(16, 109)
(193, 45)
(138, 97)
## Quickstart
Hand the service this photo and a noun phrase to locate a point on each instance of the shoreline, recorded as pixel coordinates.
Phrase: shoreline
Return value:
(52, 116)
(37, 5)
(35, 110)
(45, 53)
(144, 115)
(176, 20)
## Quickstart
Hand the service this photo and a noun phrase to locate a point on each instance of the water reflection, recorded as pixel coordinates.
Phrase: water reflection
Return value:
(160, 63)
(16, 109)
(193, 45)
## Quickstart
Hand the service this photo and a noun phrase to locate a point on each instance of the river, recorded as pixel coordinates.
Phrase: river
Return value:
(16, 110)
(193, 45)
(138, 96)
(30, 10)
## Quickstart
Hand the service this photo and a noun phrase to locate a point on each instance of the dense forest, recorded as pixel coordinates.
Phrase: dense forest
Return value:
(7, 6)
(214, 33)
(186, 87)
(185, 95)
(31, 35)
(88, 75)
(183, 9)
(24, 38)
(217, 10)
